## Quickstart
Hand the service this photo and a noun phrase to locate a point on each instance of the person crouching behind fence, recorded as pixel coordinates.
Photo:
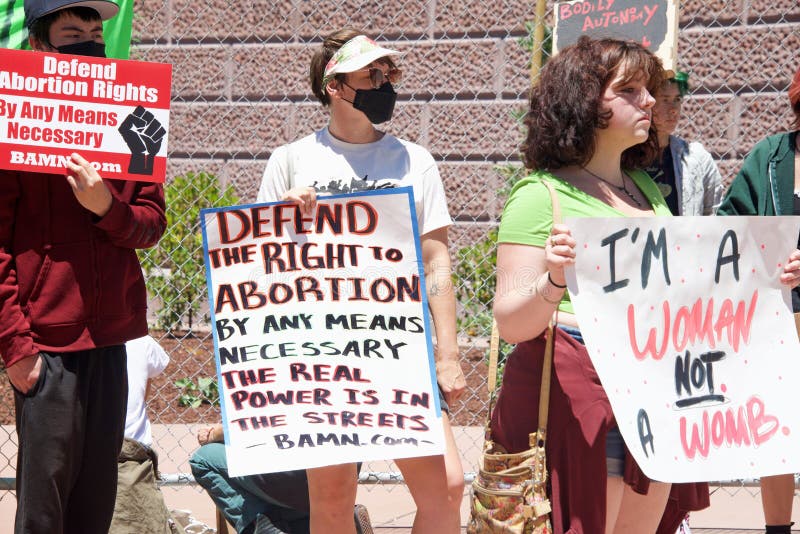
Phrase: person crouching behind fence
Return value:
(71, 294)
(270, 503)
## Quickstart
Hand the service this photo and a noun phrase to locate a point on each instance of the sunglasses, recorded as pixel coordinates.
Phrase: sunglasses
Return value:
(377, 77)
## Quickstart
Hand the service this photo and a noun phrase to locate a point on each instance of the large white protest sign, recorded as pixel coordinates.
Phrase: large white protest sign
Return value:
(321, 332)
(693, 338)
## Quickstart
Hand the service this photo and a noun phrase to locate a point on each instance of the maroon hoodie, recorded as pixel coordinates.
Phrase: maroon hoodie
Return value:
(70, 280)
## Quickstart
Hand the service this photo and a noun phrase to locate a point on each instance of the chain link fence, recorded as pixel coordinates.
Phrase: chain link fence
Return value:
(240, 90)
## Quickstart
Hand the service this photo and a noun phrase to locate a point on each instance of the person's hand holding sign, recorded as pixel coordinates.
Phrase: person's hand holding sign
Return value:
(143, 134)
(559, 252)
(304, 197)
(791, 271)
(88, 186)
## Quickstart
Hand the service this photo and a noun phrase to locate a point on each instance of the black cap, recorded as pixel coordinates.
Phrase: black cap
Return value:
(35, 9)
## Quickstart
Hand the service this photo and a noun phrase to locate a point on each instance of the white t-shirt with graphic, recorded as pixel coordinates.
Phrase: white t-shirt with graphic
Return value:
(146, 359)
(332, 167)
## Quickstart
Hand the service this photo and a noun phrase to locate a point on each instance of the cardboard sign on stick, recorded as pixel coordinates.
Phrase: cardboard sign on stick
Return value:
(694, 341)
(114, 113)
(651, 23)
(321, 332)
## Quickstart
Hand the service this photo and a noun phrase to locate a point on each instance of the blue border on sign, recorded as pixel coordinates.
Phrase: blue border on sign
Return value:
(409, 193)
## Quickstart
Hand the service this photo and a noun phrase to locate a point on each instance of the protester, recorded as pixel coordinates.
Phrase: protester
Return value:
(71, 294)
(270, 503)
(353, 76)
(140, 505)
(589, 143)
(685, 172)
(768, 184)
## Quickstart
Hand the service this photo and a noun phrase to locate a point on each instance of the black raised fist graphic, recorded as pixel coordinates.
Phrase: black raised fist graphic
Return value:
(143, 134)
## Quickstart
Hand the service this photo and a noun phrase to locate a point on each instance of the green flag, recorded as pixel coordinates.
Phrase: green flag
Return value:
(13, 33)
(116, 32)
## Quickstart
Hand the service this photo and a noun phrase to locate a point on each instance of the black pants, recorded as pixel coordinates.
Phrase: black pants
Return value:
(70, 427)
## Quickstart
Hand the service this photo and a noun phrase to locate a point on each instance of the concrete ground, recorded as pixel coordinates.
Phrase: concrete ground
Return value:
(734, 509)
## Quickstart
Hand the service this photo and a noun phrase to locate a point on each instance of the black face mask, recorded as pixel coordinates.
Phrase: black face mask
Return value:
(84, 48)
(376, 104)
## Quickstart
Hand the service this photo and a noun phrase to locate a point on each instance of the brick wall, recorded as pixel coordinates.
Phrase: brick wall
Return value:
(240, 86)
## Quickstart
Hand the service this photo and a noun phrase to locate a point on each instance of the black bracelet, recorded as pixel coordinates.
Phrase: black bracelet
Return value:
(550, 279)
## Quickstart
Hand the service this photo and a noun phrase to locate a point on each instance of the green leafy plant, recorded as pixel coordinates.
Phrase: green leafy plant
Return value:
(195, 394)
(526, 42)
(474, 274)
(174, 269)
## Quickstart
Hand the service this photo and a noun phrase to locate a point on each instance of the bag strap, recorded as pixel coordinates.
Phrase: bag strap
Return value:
(491, 379)
(554, 202)
(547, 365)
(494, 349)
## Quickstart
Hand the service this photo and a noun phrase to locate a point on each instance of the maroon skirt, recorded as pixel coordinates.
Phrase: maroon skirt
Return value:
(579, 418)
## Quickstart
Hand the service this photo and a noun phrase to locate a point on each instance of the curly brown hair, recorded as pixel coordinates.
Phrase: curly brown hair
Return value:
(565, 105)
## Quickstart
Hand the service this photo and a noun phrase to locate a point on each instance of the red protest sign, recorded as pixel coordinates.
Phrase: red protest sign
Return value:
(115, 113)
